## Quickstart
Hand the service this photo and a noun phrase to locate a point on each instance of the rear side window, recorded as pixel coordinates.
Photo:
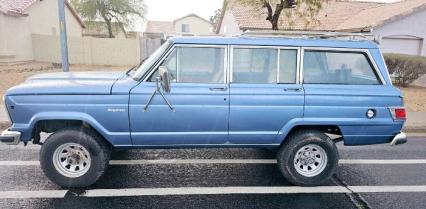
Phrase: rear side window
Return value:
(288, 66)
(195, 65)
(330, 67)
(255, 66)
(264, 65)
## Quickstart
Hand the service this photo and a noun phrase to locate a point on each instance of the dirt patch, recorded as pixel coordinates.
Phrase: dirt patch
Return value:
(15, 74)
(415, 98)
(4, 126)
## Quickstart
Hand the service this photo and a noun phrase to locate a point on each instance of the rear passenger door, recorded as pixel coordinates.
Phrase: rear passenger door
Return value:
(265, 93)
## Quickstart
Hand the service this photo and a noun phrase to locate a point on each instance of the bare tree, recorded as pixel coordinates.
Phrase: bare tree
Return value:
(120, 11)
(275, 9)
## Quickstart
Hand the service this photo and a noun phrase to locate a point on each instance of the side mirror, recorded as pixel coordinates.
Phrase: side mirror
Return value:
(164, 78)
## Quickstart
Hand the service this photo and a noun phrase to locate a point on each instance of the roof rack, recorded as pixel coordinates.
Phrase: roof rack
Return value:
(312, 34)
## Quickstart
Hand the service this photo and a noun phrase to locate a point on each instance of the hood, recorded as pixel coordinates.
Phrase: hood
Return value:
(68, 83)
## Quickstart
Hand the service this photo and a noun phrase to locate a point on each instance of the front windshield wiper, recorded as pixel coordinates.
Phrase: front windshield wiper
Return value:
(135, 67)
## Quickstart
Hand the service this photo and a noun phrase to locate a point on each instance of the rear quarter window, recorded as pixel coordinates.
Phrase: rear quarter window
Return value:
(335, 67)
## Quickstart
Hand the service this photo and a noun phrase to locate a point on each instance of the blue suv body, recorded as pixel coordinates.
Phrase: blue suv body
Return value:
(217, 92)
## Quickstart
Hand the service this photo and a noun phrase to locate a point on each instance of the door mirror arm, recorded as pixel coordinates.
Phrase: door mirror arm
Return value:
(162, 84)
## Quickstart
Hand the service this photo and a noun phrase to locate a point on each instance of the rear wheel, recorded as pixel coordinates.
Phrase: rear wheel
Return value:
(308, 158)
(74, 158)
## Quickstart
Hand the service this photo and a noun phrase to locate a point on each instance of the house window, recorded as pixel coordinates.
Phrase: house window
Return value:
(185, 28)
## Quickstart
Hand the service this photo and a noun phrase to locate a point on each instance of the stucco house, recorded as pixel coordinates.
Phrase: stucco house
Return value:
(188, 25)
(20, 19)
(400, 26)
(156, 32)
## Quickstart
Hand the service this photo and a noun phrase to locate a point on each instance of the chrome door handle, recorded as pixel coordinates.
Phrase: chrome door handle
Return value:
(293, 89)
(219, 89)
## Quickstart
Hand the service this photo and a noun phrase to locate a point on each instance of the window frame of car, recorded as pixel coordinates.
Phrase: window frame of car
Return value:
(279, 49)
(175, 46)
(365, 52)
(229, 53)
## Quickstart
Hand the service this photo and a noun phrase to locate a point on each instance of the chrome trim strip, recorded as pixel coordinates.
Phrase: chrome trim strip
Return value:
(302, 55)
(299, 56)
(206, 133)
(278, 66)
(365, 51)
(386, 67)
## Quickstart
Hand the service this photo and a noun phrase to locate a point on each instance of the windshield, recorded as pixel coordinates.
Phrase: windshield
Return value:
(146, 64)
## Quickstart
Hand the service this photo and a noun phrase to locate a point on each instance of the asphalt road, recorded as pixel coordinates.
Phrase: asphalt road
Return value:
(376, 176)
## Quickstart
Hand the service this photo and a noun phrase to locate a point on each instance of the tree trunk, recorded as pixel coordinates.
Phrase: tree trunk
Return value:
(109, 26)
(273, 17)
(274, 23)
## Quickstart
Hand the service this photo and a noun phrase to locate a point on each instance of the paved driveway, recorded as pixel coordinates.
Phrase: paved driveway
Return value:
(377, 176)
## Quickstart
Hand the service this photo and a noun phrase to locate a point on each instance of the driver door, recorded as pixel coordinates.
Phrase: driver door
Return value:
(199, 95)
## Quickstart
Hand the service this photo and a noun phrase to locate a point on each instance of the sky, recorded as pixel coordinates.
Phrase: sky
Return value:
(169, 10)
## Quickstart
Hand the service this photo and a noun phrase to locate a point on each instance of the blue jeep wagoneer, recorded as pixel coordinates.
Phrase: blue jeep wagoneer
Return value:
(298, 96)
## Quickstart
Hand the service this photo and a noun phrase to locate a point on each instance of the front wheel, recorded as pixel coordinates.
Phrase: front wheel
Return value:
(74, 158)
(308, 158)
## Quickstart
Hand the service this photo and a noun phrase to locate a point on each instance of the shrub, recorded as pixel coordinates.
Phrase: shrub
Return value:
(404, 69)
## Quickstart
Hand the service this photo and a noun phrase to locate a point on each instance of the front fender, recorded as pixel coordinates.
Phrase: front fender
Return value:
(115, 138)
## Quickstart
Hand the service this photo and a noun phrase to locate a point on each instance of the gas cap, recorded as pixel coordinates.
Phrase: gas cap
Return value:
(371, 113)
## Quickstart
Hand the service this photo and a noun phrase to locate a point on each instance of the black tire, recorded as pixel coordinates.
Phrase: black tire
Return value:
(286, 156)
(99, 156)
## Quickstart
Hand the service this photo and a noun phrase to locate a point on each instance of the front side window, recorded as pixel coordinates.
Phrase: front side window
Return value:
(330, 67)
(195, 65)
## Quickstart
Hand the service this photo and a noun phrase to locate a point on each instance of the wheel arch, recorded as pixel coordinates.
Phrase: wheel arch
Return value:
(328, 129)
(50, 122)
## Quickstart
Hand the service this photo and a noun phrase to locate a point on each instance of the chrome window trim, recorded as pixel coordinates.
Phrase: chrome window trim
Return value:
(330, 49)
(279, 48)
(166, 55)
(386, 67)
(278, 66)
(299, 65)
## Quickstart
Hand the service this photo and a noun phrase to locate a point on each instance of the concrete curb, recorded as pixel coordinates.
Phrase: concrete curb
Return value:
(415, 129)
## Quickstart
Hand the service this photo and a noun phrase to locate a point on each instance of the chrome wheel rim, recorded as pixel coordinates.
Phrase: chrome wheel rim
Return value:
(71, 160)
(310, 160)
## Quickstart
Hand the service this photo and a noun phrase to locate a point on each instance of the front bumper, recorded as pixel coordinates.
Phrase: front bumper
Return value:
(398, 139)
(10, 137)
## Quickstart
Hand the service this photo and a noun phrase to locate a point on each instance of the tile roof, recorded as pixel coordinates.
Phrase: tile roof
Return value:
(335, 15)
(160, 27)
(377, 16)
(19, 7)
(15, 7)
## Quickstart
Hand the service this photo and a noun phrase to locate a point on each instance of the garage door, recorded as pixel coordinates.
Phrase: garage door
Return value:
(401, 45)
